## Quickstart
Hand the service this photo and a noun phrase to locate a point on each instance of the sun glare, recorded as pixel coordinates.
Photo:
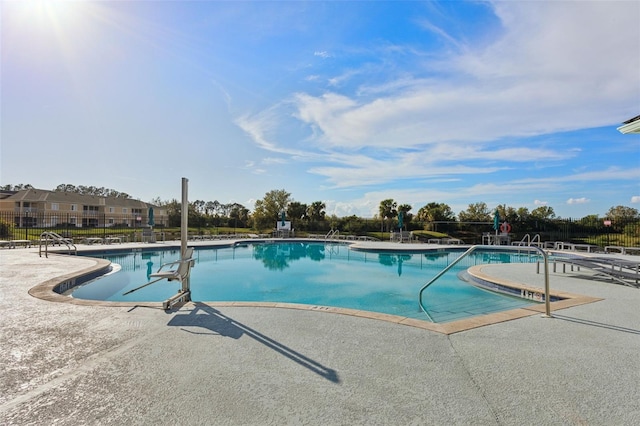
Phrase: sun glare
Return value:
(47, 14)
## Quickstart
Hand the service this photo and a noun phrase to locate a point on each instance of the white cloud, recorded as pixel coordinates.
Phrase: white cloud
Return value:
(582, 200)
(256, 127)
(635, 199)
(323, 54)
(273, 160)
(554, 67)
(615, 173)
(366, 171)
(526, 83)
(342, 209)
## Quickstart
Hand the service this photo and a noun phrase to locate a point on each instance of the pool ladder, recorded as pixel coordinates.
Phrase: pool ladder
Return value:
(493, 248)
(528, 241)
(54, 238)
(334, 234)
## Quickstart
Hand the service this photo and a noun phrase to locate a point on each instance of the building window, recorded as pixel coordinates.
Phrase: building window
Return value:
(89, 222)
(74, 207)
(111, 209)
(124, 210)
(55, 206)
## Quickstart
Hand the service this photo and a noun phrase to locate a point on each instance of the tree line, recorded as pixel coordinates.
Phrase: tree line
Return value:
(313, 216)
(80, 189)
(431, 217)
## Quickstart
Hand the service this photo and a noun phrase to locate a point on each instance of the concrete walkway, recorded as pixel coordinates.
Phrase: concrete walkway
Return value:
(67, 364)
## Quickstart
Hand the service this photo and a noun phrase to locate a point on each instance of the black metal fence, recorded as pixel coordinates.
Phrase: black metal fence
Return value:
(602, 233)
(29, 226)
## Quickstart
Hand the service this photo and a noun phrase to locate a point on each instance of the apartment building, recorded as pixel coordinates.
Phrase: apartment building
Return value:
(42, 209)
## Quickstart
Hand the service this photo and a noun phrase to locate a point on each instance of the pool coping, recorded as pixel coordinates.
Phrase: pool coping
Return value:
(51, 290)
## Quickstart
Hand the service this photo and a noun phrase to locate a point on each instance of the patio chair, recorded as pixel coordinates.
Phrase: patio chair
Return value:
(148, 236)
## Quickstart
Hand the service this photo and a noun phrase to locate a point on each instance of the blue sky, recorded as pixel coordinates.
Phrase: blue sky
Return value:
(348, 103)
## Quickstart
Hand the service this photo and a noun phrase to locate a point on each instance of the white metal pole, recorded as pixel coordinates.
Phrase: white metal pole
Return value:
(184, 224)
(184, 227)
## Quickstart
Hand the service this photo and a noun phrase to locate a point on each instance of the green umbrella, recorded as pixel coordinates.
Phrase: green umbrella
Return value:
(151, 221)
(496, 220)
(282, 217)
(400, 220)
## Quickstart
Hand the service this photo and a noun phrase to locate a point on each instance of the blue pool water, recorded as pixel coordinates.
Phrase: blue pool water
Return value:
(313, 274)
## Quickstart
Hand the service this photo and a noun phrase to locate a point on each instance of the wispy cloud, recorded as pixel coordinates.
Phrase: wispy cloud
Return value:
(582, 200)
(503, 102)
(522, 84)
(525, 83)
(616, 173)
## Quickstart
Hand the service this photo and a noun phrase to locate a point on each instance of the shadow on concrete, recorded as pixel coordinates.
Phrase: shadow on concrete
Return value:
(217, 323)
(596, 324)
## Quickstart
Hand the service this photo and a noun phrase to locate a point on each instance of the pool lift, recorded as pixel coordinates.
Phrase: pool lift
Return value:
(179, 270)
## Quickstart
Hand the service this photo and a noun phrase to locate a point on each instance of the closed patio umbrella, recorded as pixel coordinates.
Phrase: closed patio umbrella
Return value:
(496, 225)
(151, 219)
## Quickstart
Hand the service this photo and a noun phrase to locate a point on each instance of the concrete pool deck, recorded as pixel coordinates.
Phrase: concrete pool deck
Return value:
(202, 364)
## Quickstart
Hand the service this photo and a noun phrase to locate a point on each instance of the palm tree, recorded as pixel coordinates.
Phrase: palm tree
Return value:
(387, 210)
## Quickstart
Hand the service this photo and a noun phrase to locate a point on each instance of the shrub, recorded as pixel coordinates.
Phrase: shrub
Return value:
(6, 229)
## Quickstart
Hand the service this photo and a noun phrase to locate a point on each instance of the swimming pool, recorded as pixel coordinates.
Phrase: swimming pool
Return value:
(313, 274)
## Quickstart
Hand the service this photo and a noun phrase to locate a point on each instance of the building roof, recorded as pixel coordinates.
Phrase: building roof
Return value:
(632, 125)
(41, 195)
(5, 194)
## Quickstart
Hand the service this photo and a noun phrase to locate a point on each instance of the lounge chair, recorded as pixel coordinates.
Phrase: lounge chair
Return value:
(14, 243)
(628, 272)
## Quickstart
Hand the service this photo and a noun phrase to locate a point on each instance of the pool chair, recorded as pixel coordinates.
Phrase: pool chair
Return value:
(178, 271)
(627, 272)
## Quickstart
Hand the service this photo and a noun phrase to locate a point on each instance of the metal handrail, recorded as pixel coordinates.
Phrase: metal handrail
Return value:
(535, 237)
(332, 234)
(486, 247)
(527, 241)
(47, 236)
